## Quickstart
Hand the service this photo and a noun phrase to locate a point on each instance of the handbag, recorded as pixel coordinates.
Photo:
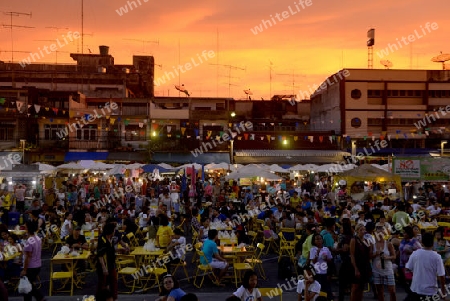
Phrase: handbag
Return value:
(408, 274)
(24, 286)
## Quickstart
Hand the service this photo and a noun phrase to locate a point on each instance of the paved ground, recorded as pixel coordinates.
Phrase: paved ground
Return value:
(208, 291)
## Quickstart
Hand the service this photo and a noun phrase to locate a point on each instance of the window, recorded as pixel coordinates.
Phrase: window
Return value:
(355, 122)
(54, 131)
(7, 132)
(355, 94)
(87, 133)
(135, 133)
(220, 106)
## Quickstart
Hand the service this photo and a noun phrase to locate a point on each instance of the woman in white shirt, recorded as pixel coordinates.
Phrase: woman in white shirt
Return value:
(308, 289)
(320, 257)
(248, 290)
(144, 217)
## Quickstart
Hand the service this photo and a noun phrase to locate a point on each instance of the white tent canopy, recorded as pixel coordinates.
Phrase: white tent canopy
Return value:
(251, 171)
(277, 168)
(299, 167)
(334, 168)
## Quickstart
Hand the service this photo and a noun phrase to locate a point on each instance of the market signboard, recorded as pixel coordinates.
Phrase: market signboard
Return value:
(425, 169)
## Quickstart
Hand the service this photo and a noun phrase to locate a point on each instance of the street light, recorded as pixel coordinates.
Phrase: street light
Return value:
(231, 151)
(442, 147)
(22, 145)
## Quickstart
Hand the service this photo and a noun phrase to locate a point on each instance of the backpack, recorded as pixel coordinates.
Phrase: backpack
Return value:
(285, 269)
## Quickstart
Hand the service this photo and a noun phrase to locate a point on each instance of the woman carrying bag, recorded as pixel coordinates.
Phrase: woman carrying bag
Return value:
(32, 261)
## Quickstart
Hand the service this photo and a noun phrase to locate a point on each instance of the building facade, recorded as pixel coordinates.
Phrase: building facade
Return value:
(405, 108)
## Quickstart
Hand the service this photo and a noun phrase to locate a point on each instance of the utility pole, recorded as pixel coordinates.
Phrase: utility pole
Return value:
(270, 79)
(230, 67)
(293, 79)
(12, 14)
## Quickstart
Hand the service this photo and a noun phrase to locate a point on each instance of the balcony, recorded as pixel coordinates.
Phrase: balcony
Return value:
(205, 114)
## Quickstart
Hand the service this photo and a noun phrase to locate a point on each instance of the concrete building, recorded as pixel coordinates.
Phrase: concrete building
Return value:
(399, 106)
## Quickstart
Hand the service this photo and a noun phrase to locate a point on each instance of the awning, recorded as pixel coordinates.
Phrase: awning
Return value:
(419, 152)
(128, 156)
(291, 157)
(183, 158)
(76, 156)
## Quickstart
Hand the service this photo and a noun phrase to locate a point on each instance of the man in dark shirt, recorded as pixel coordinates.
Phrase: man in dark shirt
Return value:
(76, 240)
(106, 264)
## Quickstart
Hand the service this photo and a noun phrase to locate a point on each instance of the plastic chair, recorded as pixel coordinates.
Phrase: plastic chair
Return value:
(287, 243)
(270, 292)
(205, 268)
(61, 275)
(256, 261)
(126, 266)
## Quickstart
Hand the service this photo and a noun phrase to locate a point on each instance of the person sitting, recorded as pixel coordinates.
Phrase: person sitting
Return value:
(308, 288)
(76, 240)
(212, 256)
(164, 234)
(170, 290)
(177, 247)
(66, 228)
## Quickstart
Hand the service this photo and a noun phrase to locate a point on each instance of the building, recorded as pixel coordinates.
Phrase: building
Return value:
(405, 108)
(98, 110)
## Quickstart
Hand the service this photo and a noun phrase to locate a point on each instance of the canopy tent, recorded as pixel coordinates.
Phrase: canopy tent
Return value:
(152, 167)
(367, 172)
(223, 165)
(93, 165)
(46, 168)
(334, 168)
(251, 171)
(277, 168)
(166, 166)
(300, 167)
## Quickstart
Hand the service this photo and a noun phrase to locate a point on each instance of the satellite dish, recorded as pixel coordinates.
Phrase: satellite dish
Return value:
(248, 92)
(442, 58)
(386, 63)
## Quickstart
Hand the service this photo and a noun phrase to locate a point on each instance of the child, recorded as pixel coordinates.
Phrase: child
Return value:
(308, 289)
(248, 290)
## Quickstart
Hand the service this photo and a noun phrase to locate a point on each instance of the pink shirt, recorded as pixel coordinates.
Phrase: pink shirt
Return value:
(34, 245)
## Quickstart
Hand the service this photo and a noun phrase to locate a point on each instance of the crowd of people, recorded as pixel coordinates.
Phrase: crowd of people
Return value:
(371, 241)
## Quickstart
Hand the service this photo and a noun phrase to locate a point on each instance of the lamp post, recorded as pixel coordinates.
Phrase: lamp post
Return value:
(22, 145)
(231, 151)
(442, 147)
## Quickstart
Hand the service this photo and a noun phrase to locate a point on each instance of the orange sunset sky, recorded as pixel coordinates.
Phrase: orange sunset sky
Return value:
(313, 43)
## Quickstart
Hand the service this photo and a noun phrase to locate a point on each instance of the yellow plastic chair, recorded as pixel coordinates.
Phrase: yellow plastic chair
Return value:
(267, 293)
(287, 247)
(205, 268)
(126, 267)
(256, 261)
(62, 275)
(57, 242)
(181, 264)
(238, 268)
(197, 247)
(133, 241)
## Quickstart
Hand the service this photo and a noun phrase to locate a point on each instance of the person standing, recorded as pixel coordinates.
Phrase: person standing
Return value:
(427, 267)
(360, 262)
(20, 198)
(32, 261)
(106, 265)
(383, 273)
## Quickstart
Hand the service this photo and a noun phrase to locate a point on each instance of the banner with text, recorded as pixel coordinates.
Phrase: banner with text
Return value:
(425, 169)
